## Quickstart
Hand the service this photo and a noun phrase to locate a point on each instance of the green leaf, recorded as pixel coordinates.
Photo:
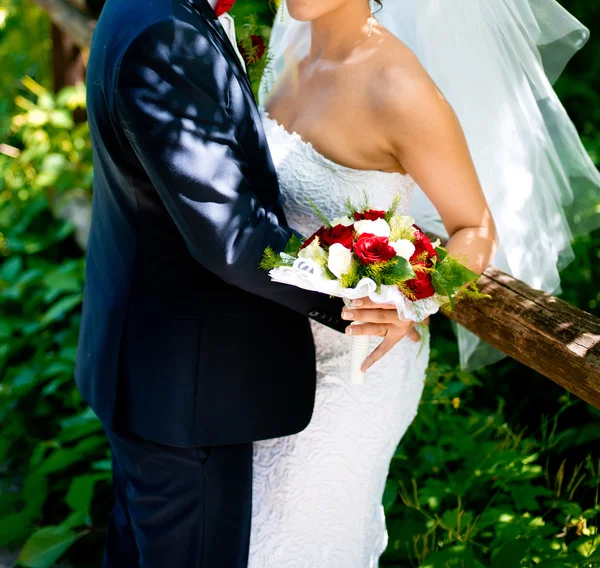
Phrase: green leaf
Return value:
(54, 385)
(79, 426)
(458, 555)
(10, 268)
(76, 520)
(36, 117)
(69, 354)
(60, 308)
(56, 368)
(47, 545)
(60, 460)
(92, 443)
(71, 97)
(511, 553)
(102, 465)
(5, 330)
(526, 495)
(67, 278)
(24, 381)
(442, 253)
(398, 272)
(34, 493)
(293, 246)
(61, 119)
(390, 494)
(15, 527)
(556, 563)
(63, 458)
(454, 273)
(589, 545)
(81, 492)
(46, 101)
(449, 276)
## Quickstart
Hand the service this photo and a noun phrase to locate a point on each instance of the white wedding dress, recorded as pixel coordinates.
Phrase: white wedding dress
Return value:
(317, 495)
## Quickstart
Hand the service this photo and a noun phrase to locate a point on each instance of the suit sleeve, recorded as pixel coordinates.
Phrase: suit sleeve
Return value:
(167, 92)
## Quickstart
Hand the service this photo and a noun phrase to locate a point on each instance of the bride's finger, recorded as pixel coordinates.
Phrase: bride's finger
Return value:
(414, 335)
(372, 316)
(378, 353)
(368, 304)
(376, 329)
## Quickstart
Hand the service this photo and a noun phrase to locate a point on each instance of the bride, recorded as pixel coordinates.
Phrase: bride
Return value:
(351, 109)
(358, 113)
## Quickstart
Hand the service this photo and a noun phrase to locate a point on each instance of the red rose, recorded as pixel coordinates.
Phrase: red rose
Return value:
(310, 239)
(371, 249)
(339, 234)
(422, 244)
(223, 6)
(370, 215)
(258, 43)
(421, 286)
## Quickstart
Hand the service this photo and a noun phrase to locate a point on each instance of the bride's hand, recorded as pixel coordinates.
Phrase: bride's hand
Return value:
(381, 320)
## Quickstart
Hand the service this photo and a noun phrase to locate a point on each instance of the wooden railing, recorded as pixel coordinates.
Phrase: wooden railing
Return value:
(539, 330)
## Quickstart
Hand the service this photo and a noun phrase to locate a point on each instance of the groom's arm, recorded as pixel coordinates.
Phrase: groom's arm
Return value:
(168, 97)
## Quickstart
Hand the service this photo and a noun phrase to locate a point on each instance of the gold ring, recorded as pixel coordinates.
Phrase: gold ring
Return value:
(387, 329)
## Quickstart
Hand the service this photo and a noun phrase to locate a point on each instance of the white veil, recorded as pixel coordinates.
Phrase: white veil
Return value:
(496, 61)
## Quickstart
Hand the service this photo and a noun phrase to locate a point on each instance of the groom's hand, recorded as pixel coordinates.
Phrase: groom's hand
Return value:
(381, 320)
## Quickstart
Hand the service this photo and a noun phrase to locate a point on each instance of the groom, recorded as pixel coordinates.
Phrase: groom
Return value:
(187, 352)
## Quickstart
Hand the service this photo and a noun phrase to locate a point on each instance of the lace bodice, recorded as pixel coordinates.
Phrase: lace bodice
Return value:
(306, 176)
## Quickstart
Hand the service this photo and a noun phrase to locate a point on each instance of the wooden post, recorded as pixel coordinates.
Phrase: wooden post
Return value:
(70, 20)
(67, 59)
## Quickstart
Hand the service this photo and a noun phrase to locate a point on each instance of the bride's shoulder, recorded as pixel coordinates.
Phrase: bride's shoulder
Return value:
(399, 83)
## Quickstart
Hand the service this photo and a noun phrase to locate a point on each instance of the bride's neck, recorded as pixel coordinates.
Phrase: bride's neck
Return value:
(336, 34)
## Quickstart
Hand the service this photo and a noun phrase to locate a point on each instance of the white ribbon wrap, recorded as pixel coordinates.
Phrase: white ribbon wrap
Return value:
(359, 351)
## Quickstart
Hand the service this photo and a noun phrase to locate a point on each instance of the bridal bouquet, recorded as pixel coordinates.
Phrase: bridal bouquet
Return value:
(377, 254)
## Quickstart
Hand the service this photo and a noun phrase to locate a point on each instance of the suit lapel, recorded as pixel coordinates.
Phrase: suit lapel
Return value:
(213, 22)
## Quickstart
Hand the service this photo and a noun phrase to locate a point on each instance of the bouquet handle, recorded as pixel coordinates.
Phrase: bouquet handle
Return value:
(358, 353)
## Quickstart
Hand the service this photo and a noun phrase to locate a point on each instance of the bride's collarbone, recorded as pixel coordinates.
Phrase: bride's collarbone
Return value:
(339, 136)
(336, 119)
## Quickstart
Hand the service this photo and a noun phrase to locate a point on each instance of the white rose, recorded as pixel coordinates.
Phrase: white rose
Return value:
(403, 248)
(346, 221)
(340, 259)
(314, 252)
(379, 228)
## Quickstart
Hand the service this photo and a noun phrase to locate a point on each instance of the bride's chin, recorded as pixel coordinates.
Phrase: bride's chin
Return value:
(304, 10)
(302, 16)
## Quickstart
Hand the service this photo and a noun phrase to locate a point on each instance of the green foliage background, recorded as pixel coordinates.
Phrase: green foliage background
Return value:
(500, 468)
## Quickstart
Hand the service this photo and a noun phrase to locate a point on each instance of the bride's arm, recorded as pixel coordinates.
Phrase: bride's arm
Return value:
(426, 138)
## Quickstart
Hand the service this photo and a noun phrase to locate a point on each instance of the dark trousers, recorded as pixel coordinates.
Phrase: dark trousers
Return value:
(179, 507)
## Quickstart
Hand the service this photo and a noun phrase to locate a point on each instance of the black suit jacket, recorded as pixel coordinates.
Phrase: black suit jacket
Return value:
(183, 340)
